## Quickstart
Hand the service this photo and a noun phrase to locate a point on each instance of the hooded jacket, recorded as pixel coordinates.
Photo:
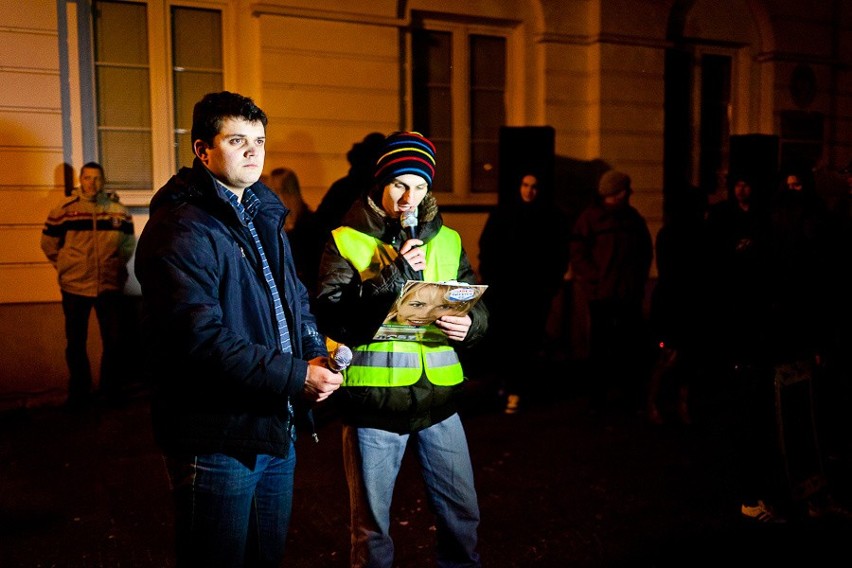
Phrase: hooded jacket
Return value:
(221, 382)
(89, 242)
(350, 310)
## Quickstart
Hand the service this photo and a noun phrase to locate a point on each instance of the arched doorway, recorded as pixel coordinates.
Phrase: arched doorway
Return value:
(716, 87)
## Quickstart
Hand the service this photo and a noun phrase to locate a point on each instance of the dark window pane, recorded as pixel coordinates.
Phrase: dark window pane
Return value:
(488, 113)
(197, 58)
(121, 33)
(126, 157)
(183, 149)
(488, 62)
(487, 109)
(715, 127)
(443, 182)
(123, 94)
(484, 171)
(439, 104)
(197, 38)
(189, 88)
(432, 82)
(118, 105)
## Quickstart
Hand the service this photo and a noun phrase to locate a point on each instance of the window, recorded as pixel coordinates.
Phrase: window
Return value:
(459, 100)
(487, 109)
(124, 71)
(714, 117)
(197, 69)
(123, 93)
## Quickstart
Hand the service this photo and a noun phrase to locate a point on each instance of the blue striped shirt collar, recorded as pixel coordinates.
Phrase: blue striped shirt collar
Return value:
(247, 209)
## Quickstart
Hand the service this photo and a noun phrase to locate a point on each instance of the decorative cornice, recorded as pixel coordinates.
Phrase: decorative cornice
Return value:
(30, 71)
(30, 31)
(607, 38)
(791, 57)
(266, 9)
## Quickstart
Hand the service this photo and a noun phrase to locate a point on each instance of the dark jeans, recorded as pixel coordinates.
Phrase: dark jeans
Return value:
(754, 434)
(620, 357)
(521, 332)
(231, 512)
(77, 310)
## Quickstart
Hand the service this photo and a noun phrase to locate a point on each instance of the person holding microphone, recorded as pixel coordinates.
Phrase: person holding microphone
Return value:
(233, 345)
(400, 391)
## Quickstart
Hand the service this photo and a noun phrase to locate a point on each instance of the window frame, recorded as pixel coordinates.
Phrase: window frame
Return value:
(162, 108)
(461, 31)
(739, 89)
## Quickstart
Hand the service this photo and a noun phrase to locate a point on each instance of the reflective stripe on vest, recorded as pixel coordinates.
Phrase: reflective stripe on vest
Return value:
(401, 363)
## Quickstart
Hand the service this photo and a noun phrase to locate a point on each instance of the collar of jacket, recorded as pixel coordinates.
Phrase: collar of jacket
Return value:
(370, 218)
(100, 198)
(196, 185)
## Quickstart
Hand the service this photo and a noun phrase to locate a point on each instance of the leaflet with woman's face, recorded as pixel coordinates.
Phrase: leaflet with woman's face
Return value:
(421, 303)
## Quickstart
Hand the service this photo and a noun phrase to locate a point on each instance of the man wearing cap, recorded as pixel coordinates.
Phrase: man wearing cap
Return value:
(611, 254)
(399, 390)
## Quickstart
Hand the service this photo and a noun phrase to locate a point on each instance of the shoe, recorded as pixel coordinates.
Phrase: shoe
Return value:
(512, 403)
(761, 513)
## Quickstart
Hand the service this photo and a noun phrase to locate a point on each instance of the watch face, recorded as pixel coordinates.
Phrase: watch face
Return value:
(803, 85)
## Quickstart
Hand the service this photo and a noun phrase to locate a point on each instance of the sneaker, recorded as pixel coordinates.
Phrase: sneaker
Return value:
(761, 513)
(512, 403)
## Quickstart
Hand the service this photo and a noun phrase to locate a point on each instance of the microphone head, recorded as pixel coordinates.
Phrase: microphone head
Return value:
(340, 358)
(408, 219)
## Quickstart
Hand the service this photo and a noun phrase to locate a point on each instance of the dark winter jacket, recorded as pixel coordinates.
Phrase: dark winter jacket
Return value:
(523, 254)
(611, 253)
(350, 310)
(222, 383)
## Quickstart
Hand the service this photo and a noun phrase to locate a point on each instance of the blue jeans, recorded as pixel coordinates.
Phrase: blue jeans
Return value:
(372, 459)
(231, 512)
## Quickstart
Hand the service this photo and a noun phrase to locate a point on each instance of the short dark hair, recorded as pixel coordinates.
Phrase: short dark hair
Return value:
(214, 108)
(92, 166)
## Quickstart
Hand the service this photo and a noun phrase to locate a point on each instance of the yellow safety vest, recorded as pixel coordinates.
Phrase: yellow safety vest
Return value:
(401, 363)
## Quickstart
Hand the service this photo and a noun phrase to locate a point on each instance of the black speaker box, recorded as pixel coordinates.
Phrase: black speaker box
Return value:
(755, 156)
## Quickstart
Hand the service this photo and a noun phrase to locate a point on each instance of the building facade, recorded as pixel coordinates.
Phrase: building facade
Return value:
(673, 92)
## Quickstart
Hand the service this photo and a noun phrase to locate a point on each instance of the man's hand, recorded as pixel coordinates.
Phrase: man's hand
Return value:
(411, 251)
(455, 327)
(320, 381)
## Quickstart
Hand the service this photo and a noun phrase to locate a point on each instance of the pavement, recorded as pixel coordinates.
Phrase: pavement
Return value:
(557, 487)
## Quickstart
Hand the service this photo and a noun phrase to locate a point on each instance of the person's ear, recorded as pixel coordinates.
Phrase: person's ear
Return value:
(200, 147)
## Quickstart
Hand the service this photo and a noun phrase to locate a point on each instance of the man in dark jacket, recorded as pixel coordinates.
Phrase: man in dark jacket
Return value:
(611, 254)
(400, 390)
(232, 342)
(528, 229)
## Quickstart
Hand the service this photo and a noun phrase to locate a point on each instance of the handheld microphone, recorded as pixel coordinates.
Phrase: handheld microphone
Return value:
(340, 358)
(409, 221)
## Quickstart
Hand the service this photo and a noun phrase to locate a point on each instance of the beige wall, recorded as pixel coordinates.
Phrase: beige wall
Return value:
(31, 149)
(322, 96)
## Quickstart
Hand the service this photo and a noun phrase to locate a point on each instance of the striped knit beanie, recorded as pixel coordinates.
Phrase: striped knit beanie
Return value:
(405, 153)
